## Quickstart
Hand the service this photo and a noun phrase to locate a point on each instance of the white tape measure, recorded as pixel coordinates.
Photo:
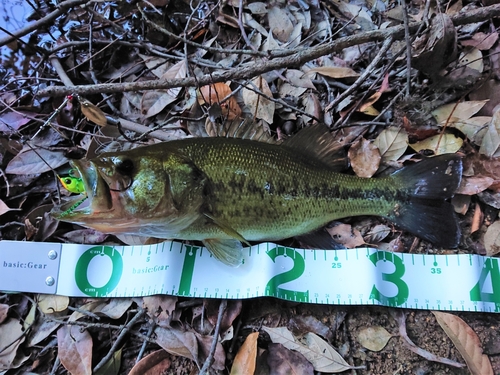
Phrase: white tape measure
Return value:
(362, 276)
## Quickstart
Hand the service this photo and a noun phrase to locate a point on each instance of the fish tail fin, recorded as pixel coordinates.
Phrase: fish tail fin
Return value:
(423, 210)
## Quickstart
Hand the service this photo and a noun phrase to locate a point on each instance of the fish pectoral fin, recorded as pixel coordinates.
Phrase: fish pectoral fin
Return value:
(227, 251)
(226, 228)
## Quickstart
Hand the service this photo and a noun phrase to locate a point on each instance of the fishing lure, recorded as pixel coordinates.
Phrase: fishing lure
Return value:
(72, 183)
(75, 185)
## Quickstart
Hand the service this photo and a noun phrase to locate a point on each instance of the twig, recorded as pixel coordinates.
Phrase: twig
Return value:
(119, 339)
(145, 343)
(408, 47)
(62, 9)
(213, 347)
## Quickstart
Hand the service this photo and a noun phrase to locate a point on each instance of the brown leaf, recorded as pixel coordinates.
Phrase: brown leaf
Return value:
(244, 362)
(11, 334)
(474, 185)
(4, 208)
(92, 112)
(492, 239)
(260, 107)
(282, 361)
(346, 235)
(491, 141)
(481, 41)
(374, 338)
(460, 111)
(334, 72)
(365, 158)
(204, 345)
(215, 94)
(466, 341)
(178, 342)
(51, 303)
(160, 307)
(33, 162)
(75, 349)
(232, 311)
(13, 121)
(439, 144)
(280, 24)
(4, 309)
(392, 142)
(86, 236)
(154, 363)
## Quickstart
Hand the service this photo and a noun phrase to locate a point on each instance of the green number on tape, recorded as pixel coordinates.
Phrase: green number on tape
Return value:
(395, 278)
(82, 266)
(272, 287)
(477, 295)
(187, 271)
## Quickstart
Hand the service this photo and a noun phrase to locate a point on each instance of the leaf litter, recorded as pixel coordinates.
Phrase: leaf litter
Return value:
(448, 109)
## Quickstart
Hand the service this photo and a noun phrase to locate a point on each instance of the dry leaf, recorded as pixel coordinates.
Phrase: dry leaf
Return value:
(75, 349)
(215, 94)
(34, 162)
(374, 338)
(260, 107)
(112, 365)
(178, 342)
(334, 72)
(244, 362)
(4, 309)
(473, 128)
(280, 24)
(92, 112)
(317, 351)
(154, 363)
(492, 239)
(377, 234)
(346, 235)
(11, 334)
(472, 59)
(160, 307)
(4, 208)
(283, 361)
(460, 111)
(491, 140)
(474, 185)
(466, 341)
(481, 41)
(392, 143)
(365, 158)
(51, 303)
(440, 144)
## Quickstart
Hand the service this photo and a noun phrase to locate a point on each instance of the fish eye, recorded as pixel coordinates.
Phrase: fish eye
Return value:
(125, 167)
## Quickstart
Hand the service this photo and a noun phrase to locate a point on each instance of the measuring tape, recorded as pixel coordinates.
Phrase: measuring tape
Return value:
(362, 276)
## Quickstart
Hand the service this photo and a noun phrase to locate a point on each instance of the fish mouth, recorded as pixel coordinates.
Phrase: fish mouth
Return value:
(98, 202)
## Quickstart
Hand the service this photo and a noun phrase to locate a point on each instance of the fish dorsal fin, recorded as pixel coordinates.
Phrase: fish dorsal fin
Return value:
(316, 142)
(244, 128)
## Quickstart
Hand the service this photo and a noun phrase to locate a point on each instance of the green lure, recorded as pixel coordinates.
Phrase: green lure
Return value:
(74, 185)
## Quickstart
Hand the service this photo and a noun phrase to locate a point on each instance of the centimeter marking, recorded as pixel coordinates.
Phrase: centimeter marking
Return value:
(362, 276)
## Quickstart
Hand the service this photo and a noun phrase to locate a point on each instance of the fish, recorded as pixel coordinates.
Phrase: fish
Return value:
(227, 192)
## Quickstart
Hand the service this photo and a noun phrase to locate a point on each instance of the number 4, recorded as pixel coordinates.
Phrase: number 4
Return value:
(477, 294)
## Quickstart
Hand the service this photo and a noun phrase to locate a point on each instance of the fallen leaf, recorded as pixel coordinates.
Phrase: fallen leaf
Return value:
(282, 361)
(244, 362)
(439, 144)
(481, 41)
(377, 233)
(374, 338)
(92, 112)
(474, 185)
(473, 128)
(154, 363)
(491, 140)
(178, 342)
(160, 307)
(346, 235)
(11, 333)
(459, 111)
(35, 161)
(317, 351)
(50, 303)
(466, 341)
(365, 158)
(216, 94)
(472, 59)
(87, 236)
(75, 349)
(4, 208)
(492, 239)
(279, 24)
(392, 142)
(299, 79)
(204, 346)
(260, 107)
(13, 121)
(334, 72)
(4, 309)
(114, 308)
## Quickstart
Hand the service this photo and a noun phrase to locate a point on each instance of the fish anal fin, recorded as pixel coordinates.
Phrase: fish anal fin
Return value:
(227, 251)
(317, 142)
(226, 228)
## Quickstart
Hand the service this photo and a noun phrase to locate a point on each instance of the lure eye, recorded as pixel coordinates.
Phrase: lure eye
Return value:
(125, 167)
(68, 181)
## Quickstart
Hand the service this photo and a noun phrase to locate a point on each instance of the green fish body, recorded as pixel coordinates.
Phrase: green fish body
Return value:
(224, 191)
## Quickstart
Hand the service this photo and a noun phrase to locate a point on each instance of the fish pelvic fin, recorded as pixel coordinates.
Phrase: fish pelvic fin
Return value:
(228, 252)
(424, 211)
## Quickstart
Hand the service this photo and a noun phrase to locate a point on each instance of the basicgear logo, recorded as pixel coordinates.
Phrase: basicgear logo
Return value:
(82, 267)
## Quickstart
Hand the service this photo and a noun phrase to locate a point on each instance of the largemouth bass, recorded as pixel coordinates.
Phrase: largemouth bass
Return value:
(225, 191)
